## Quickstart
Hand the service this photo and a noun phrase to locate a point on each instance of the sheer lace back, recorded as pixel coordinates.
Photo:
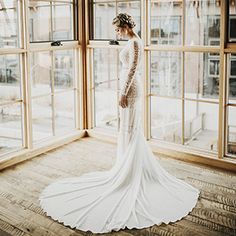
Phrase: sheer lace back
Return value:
(131, 57)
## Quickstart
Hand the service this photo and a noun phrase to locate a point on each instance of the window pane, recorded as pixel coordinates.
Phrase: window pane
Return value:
(10, 128)
(64, 112)
(133, 9)
(165, 20)
(202, 25)
(103, 15)
(10, 87)
(201, 125)
(232, 21)
(231, 130)
(106, 64)
(166, 73)
(202, 75)
(105, 11)
(64, 69)
(106, 105)
(40, 73)
(9, 18)
(42, 118)
(232, 78)
(166, 119)
(105, 1)
(105, 79)
(39, 21)
(62, 21)
(50, 21)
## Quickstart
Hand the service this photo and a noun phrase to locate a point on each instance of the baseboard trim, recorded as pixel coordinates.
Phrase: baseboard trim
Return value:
(179, 153)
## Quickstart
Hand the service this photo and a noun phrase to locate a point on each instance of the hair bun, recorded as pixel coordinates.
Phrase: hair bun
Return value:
(123, 18)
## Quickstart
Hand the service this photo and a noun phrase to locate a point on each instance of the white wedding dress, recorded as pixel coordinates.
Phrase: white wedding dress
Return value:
(136, 192)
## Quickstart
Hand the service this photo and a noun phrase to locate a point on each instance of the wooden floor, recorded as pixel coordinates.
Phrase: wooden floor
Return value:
(20, 186)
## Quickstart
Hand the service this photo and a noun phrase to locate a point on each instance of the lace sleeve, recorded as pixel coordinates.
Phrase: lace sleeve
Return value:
(133, 62)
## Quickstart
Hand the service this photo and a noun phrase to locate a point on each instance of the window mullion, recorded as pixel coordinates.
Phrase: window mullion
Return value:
(222, 83)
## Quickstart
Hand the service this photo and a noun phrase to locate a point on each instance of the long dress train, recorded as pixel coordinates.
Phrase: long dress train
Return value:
(137, 192)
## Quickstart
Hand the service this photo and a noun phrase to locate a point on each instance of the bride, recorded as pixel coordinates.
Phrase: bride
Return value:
(137, 192)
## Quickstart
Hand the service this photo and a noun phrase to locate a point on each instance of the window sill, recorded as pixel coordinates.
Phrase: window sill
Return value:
(26, 154)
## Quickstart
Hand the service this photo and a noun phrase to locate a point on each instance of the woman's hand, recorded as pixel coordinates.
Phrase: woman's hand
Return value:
(123, 101)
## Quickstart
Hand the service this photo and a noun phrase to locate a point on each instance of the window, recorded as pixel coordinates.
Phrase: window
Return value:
(201, 125)
(166, 73)
(11, 106)
(231, 105)
(166, 118)
(232, 22)
(202, 21)
(9, 24)
(38, 84)
(232, 77)
(165, 21)
(231, 131)
(51, 21)
(11, 129)
(103, 22)
(106, 85)
(183, 77)
(103, 12)
(53, 93)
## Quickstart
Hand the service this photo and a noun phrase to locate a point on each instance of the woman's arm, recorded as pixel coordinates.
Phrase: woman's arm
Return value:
(133, 63)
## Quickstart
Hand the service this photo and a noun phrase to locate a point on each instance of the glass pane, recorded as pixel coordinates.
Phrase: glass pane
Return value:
(10, 87)
(232, 21)
(166, 119)
(64, 112)
(166, 73)
(232, 77)
(105, 65)
(10, 128)
(39, 21)
(201, 125)
(106, 105)
(42, 118)
(202, 25)
(231, 130)
(165, 20)
(105, 1)
(9, 18)
(103, 15)
(202, 76)
(40, 73)
(50, 21)
(64, 69)
(133, 9)
(62, 21)
(105, 79)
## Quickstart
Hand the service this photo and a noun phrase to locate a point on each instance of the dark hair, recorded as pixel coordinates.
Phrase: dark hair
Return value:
(123, 18)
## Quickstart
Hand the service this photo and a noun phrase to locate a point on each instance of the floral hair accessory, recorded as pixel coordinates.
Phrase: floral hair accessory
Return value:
(122, 19)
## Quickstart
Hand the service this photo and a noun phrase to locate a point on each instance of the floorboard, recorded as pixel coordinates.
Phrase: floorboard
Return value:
(20, 213)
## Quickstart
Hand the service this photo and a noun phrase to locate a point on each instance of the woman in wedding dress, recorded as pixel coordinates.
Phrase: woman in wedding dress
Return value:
(137, 192)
